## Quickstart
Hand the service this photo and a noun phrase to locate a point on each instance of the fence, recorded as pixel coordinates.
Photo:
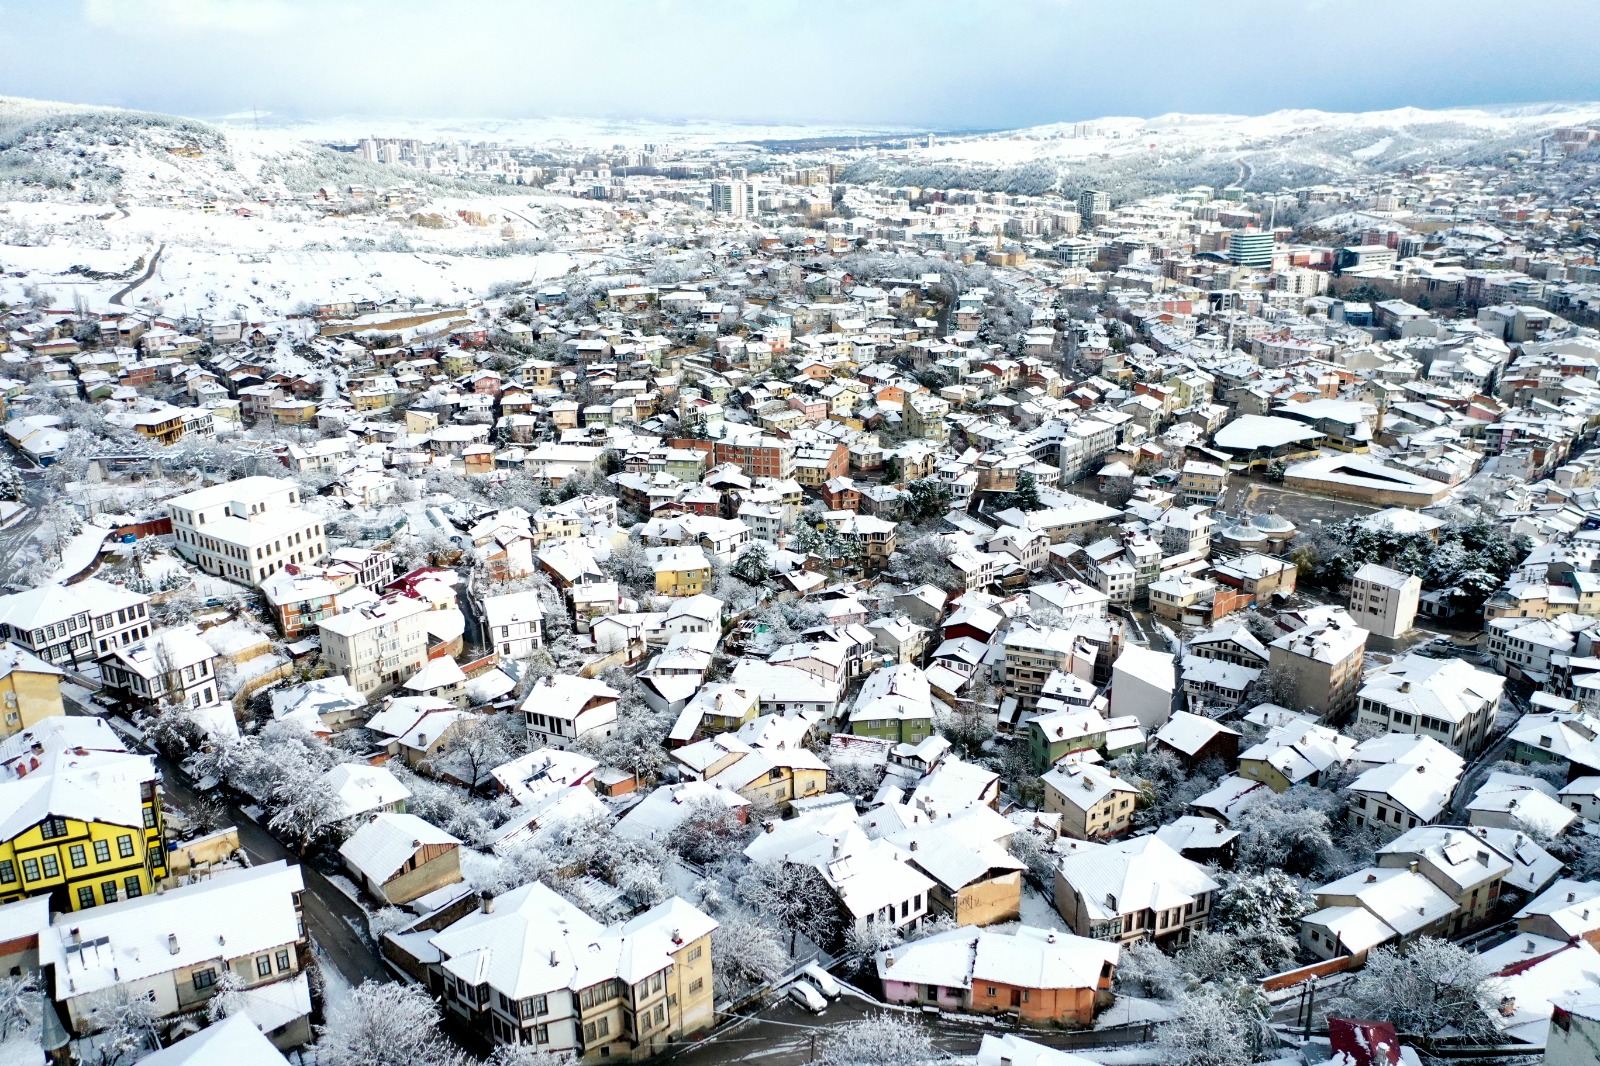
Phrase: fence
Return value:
(1290, 978)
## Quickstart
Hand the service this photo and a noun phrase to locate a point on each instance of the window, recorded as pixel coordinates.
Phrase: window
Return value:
(102, 851)
(694, 954)
(78, 856)
(8, 869)
(283, 960)
(696, 985)
(30, 869)
(85, 897)
(204, 979)
(541, 1034)
(52, 828)
(108, 891)
(131, 883)
(263, 965)
(52, 867)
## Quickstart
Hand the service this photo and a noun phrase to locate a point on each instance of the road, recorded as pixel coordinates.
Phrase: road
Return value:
(149, 272)
(783, 1034)
(12, 538)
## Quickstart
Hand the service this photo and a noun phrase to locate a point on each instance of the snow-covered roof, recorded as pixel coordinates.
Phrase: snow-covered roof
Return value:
(249, 911)
(386, 842)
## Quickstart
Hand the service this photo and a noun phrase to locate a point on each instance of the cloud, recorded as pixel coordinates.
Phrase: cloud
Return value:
(944, 64)
(202, 16)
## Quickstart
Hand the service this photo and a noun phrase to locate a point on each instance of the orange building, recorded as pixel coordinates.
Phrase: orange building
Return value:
(1040, 976)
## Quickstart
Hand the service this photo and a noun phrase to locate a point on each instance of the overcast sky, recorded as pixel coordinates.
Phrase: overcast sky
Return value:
(927, 63)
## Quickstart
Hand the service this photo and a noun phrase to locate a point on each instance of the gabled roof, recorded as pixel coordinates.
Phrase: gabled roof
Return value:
(384, 844)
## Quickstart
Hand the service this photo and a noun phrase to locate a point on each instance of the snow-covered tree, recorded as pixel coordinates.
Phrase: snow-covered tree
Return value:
(744, 953)
(1425, 988)
(878, 1040)
(20, 1001)
(709, 832)
(1216, 1025)
(795, 899)
(227, 997)
(526, 1055)
(753, 567)
(385, 1024)
(1145, 970)
(1291, 831)
(862, 944)
(126, 1026)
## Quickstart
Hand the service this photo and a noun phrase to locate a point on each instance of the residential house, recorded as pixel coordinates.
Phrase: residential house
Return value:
(1038, 976)
(1134, 890)
(399, 857)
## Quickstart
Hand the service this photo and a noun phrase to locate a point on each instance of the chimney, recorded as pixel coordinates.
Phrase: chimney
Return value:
(1411, 867)
(1371, 878)
(553, 960)
(486, 902)
(37, 748)
(1050, 938)
(913, 845)
(769, 826)
(172, 942)
(1111, 901)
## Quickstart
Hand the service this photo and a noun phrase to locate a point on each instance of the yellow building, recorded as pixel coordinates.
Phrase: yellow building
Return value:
(80, 816)
(680, 571)
(30, 690)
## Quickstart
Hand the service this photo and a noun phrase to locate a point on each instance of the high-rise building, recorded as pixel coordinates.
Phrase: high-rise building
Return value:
(736, 198)
(1092, 202)
(1251, 247)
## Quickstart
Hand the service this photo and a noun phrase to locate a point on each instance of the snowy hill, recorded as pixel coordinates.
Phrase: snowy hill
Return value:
(1134, 156)
(93, 154)
(64, 166)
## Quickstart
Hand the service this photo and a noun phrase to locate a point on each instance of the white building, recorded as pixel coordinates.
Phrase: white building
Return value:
(75, 623)
(1142, 684)
(377, 647)
(1384, 601)
(562, 708)
(515, 623)
(246, 530)
(1446, 699)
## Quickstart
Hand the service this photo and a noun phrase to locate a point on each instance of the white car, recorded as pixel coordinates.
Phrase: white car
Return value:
(823, 980)
(808, 997)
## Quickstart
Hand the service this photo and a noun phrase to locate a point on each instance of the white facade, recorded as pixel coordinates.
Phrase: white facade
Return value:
(377, 647)
(1142, 683)
(1384, 601)
(246, 530)
(514, 623)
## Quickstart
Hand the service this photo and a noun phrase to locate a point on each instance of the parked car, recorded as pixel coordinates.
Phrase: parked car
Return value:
(803, 993)
(823, 980)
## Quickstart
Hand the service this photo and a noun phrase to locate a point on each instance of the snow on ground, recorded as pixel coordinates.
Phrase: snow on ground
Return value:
(1130, 1010)
(1039, 912)
(224, 265)
(80, 553)
(335, 988)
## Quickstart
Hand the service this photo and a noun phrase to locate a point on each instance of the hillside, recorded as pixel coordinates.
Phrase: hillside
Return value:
(1139, 156)
(100, 155)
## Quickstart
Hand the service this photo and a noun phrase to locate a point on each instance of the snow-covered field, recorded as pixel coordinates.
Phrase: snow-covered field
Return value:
(225, 266)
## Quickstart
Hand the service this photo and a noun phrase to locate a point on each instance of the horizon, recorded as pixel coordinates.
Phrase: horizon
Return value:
(671, 61)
